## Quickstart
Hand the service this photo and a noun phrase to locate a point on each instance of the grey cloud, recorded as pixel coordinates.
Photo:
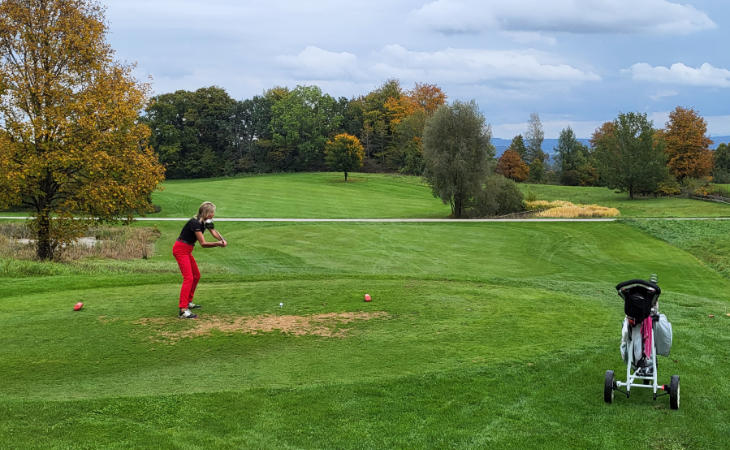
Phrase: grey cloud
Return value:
(571, 16)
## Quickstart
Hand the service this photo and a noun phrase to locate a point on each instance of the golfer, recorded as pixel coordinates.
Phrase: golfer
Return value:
(191, 233)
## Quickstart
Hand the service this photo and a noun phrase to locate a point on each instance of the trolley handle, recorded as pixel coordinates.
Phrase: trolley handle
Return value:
(644, 283)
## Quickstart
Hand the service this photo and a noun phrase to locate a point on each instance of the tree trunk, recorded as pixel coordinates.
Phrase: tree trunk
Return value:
(345, 177)
(44, 250)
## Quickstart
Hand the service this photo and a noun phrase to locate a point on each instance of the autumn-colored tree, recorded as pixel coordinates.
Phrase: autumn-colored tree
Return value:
(511, 166)
(345, 153)
(407, 115)
(71, 147)
(687, 147)
(428, 97)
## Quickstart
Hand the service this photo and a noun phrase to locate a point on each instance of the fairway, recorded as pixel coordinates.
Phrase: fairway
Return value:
(479, 335)
(369, 195)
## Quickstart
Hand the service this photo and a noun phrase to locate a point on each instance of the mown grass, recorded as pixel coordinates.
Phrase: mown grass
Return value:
(327, 195)
(303, 195)
(497, 335)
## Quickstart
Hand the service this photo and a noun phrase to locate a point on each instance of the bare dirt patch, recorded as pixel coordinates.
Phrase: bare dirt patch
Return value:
(325, 325)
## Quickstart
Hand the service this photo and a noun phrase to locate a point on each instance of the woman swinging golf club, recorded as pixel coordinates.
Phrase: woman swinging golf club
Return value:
(191, 233)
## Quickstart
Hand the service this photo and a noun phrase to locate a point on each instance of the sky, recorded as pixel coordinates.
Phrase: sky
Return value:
(576, 63)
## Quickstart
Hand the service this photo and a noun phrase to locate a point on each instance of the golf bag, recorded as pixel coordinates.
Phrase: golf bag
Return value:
(641, 309)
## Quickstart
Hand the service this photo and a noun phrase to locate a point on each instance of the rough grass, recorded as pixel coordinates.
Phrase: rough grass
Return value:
(561, 208)
(105, 242)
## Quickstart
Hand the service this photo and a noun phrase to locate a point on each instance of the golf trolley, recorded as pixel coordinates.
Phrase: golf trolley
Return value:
(645, 334)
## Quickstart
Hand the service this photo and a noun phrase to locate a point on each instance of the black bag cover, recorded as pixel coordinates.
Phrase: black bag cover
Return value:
(637, 305)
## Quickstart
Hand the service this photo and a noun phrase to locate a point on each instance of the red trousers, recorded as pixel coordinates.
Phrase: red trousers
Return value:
(183, 254)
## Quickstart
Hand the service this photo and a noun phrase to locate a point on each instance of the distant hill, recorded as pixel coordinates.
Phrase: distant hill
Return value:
(548, 145)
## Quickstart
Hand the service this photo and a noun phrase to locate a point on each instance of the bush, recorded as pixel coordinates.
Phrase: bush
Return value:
(670, 186)
(498, 196)
(695, 186)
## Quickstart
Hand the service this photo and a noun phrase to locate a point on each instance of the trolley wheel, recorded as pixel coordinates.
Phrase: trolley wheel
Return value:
(608, 387)
(674, 392)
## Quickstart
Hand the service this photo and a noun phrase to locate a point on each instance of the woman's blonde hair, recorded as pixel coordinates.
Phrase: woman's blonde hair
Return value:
(205, 209)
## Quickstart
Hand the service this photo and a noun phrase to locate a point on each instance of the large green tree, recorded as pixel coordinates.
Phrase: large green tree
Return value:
(630, 158)
(193, 132)
(71, 147)
(457, 149)
(301, 123)
(574, 160)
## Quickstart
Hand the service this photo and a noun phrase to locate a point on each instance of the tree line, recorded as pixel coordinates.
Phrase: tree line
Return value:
(206, 133)
(628, 154)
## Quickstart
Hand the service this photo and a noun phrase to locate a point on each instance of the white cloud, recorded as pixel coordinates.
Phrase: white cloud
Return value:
(316, 63)
(474, 66)
(571, 16)
(663, 94)
(678, 73)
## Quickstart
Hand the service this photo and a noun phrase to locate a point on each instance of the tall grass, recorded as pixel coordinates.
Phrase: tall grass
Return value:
(565, 209)
(107, 242)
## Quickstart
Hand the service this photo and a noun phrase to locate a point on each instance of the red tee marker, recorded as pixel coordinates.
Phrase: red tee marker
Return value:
(78, 306)
(368, 298)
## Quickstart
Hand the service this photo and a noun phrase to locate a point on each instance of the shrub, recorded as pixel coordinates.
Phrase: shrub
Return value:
(499, 196)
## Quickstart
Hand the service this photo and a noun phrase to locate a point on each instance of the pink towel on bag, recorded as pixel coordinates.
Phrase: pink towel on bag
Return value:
(646, 335)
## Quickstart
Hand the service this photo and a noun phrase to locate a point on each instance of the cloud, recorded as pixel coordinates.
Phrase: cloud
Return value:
(474, 66)
(706, 75)
(316, 63)
(663, 94)
(571, 16)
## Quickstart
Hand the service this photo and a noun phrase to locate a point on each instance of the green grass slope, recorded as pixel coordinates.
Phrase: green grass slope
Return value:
(487, 335)
(303, 195)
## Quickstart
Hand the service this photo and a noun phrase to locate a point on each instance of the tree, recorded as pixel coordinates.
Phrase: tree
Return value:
(301, 122)
(574, 160)
(457, 149)
(193, 132)
(407, 117)
(534, 136)
(687, 147)
(518, 145)
(721, 171)
(630, 158)
(71, 146)
(511, 166)
(428, 97)
(345, 153)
